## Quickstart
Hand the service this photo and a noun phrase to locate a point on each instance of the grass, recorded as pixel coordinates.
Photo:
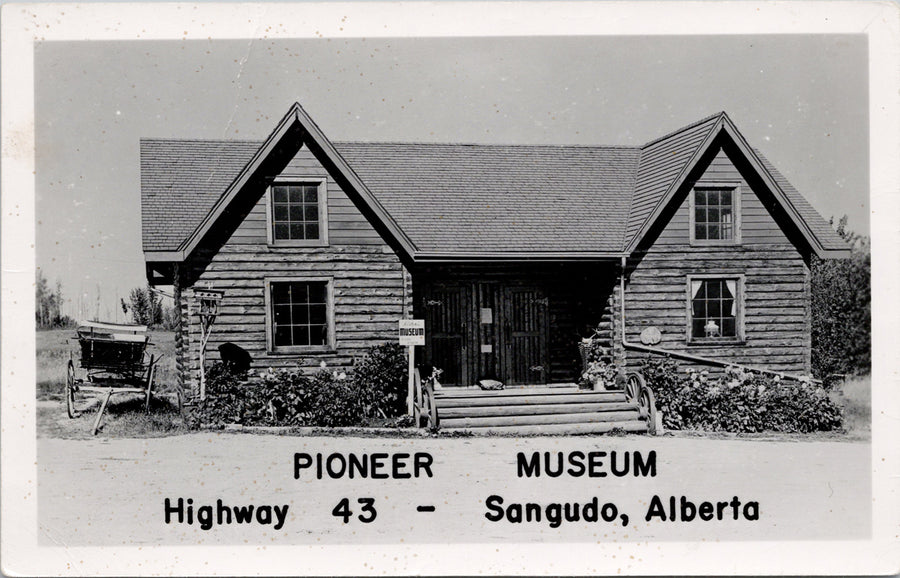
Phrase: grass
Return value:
(855, 398)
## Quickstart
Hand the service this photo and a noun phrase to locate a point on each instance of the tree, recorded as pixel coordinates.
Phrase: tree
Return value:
(145, 306)
(841, 303)
(48, 304)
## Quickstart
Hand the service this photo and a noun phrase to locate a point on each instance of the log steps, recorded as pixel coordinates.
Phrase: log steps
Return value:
(537, 410)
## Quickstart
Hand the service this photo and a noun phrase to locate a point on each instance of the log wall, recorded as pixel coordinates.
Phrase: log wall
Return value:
(776, 317)
(371, 288)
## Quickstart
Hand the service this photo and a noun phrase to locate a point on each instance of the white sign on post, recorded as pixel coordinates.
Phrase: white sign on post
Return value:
(412, 332)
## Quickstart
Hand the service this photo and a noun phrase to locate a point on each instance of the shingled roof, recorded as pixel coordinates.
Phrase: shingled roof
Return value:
(465, 199)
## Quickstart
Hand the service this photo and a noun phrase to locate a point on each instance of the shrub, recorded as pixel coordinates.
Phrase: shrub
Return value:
(382, 379)
(841, 309)
(334, 400)
(279, 398)
(738, 401)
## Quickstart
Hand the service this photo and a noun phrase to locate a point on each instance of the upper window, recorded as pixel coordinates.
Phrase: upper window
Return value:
(300, 313)
(715, 214)
(715, 309)
(297, 213)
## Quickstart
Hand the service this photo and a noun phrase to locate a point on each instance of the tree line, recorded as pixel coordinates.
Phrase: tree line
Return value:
(143, 305)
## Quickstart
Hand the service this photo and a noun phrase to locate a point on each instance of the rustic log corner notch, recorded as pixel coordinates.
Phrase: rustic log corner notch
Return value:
(321, 246)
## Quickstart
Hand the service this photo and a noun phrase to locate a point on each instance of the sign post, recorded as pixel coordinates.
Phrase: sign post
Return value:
(411, 333)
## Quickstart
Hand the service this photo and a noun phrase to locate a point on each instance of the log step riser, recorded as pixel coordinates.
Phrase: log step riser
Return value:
(526, 420)
(537, 409)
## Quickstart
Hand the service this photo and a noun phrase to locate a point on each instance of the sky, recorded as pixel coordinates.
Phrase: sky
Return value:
(800, 99)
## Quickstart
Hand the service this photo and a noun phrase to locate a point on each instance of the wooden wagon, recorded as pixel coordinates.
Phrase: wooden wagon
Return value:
(114, 359)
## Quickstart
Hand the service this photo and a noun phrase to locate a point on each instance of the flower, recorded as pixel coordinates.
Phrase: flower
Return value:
(342, 375)
(322, 364)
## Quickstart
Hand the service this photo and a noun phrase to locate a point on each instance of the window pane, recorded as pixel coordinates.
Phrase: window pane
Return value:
(729, 327)
(300, 313)
(312, 231)
(282, 314)
(699, 215)
(281, 212)
(701, 197)
(301, 335)
(281, 194)
(296, 194)
(699, 306)
(318, 335)
(296, 213)
(725, 198)
(713, 289)
(280, 293)
(697, 328)
(317, 293)
(311, 195)
(282, 232)
(714, 308)
(297, 231)
(700, 232)
(312, 213)
(712, 232)
(282, 335)
(317, 314)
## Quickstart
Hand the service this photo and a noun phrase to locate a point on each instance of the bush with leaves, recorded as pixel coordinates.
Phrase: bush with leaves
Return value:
(382, 379)
(277, 398)
(738, 401)
(334, 400)
(841, 304)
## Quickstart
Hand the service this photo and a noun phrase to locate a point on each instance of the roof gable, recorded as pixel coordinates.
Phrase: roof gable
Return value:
(661, 180)
(295, 129)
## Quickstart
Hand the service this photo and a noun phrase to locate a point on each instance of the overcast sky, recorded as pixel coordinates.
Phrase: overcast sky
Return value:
(801, 100)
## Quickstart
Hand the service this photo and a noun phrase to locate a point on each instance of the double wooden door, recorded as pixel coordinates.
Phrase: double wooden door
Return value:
(487, 330)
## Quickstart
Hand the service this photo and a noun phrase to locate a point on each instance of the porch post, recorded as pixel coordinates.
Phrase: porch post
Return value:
(618, 318)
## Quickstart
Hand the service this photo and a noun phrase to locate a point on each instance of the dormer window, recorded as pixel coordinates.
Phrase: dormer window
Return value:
(714, 215)
(297, 213)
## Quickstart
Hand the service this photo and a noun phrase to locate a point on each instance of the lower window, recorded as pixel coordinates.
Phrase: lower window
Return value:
(714, 309)
(299, 313)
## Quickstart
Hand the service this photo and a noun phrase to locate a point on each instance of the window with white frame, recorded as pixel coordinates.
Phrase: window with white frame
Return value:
(715, 214)
(715, 309)
(297, 213)
(299, 314)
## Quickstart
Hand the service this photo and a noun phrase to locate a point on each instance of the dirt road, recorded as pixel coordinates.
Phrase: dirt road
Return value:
(112, 492)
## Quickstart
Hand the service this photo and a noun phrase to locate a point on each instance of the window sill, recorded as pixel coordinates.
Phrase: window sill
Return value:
(700, 243)
(715, 342)
(295, 244)
(294, 351)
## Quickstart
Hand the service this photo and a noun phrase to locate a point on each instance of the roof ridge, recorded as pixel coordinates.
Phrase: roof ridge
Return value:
(684, 128)
(487, 145)
(201, 140)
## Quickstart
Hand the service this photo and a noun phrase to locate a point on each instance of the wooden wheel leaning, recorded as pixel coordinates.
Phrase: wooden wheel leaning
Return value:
(634, 385)
(70, 389)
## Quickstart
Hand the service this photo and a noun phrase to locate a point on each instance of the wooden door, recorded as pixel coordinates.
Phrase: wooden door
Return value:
(524, 359)
(447, 313)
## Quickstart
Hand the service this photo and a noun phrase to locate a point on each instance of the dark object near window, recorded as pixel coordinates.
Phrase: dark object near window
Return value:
(713, 214)
(299, 313)
(714, 307)
(234, 357)
(295, 212)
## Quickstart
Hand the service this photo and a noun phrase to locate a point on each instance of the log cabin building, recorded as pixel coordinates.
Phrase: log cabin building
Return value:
(692, 244)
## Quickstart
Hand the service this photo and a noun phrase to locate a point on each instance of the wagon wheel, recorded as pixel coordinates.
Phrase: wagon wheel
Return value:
(634, 385)
(647, 404)
(70, 389)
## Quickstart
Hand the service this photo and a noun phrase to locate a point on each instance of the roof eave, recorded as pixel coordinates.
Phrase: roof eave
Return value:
(513, 256)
